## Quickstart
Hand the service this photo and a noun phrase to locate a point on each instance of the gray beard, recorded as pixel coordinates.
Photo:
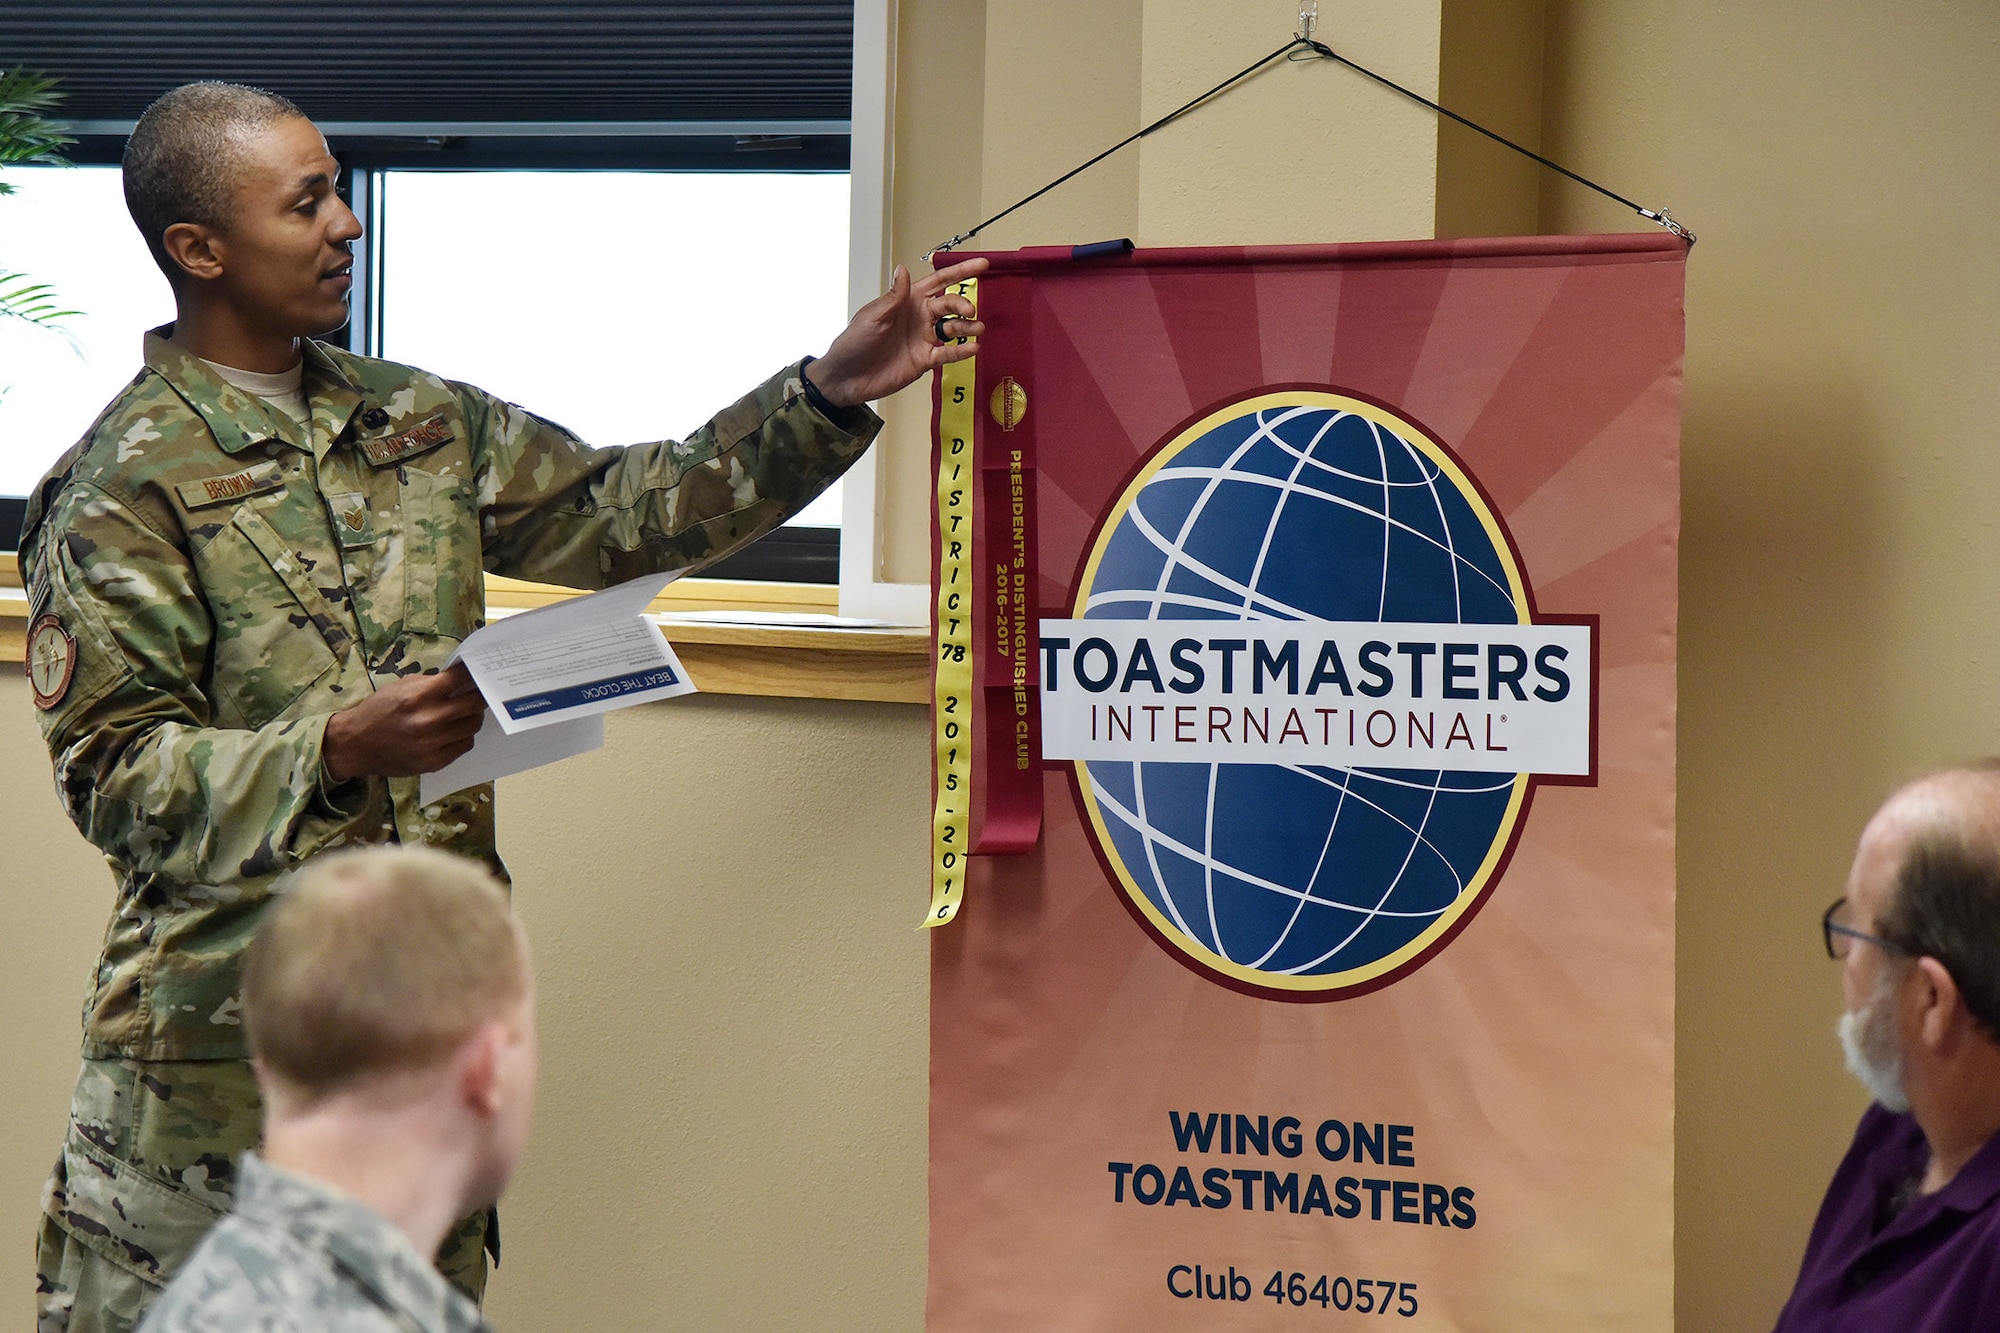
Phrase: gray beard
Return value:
(1874, 1054)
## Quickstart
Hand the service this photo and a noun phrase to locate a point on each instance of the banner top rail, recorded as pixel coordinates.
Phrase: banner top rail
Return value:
(1633, 246)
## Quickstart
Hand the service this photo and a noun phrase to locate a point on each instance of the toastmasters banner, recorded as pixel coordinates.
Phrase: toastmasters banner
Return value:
(1337, 990)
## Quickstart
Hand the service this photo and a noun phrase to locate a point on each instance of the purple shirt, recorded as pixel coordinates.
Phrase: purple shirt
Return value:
(1875, 1262)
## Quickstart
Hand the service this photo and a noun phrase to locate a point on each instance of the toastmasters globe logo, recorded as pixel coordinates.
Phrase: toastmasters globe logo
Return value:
(1306, 695)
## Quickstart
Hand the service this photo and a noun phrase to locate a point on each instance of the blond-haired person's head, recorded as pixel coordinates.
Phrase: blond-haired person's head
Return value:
(390, 1009)
(377, 961)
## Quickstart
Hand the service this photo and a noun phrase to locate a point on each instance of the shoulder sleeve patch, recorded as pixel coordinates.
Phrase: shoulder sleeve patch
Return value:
(50, 660)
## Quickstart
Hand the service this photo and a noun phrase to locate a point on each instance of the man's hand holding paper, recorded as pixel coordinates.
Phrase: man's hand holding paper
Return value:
(414, 724)
(547, 675)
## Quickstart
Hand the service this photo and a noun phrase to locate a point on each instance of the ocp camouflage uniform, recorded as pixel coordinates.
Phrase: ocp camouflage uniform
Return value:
(225, 581)
(294, 1254)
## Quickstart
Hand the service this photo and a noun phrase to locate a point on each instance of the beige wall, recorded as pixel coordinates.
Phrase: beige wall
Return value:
(55, 898)
(732, 1132)
(1490, 72)
(1839, 622)
(725, 902)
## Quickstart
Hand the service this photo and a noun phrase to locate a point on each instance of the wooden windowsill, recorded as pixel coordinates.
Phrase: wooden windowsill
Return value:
(734, 637)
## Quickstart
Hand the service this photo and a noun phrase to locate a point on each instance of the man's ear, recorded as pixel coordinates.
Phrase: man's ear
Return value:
(196, 248)
(1941, 1016)
(276, 1096)
(479, 1067)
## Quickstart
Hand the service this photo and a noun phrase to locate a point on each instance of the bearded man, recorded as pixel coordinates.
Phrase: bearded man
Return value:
(1908, 1237)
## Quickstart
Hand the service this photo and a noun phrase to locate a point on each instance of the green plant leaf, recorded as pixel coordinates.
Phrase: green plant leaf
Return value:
(22, 298)
(26, 137)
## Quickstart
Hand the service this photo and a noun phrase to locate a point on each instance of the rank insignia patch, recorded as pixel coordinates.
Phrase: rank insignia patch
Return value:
(50, 661)
(350, 518)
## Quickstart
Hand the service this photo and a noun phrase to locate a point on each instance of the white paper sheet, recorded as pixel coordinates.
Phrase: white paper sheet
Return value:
(495, 754)
(573, 659)
(549, 675)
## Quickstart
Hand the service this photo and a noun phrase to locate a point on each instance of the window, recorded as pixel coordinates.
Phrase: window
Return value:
(655, 85)
(627, 304)
(67, 226)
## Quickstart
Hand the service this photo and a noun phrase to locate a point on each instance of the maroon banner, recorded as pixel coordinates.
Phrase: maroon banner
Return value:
(1338, 988)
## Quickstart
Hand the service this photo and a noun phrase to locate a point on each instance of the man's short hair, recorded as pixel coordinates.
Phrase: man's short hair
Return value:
(376, 961)
(1945, 902)
(181, 160)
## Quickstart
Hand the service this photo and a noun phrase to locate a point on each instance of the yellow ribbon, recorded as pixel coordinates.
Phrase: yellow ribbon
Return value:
(951, 713)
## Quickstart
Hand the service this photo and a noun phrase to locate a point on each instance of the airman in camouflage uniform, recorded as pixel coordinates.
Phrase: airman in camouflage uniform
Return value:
(295, 1253)
(228, 582)
(223, 599)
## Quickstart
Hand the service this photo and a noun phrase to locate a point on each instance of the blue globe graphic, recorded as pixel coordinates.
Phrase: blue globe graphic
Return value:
(1300, 879)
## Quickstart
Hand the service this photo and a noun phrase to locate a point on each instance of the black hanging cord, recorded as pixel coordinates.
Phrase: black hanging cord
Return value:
(1661, 216)
(1290, 50)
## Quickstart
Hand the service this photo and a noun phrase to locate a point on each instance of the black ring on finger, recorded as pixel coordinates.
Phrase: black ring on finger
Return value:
(937, 328)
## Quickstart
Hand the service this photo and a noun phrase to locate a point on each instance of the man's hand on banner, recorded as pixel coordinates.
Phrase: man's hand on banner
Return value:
(898, 338)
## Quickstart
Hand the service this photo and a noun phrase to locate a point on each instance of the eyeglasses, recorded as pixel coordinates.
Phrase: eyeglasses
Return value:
(1837, 933)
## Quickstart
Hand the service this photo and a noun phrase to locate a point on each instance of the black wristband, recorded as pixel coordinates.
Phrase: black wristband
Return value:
(847, 418)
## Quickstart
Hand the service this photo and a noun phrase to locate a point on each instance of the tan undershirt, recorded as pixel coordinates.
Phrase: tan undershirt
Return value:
(285, 390)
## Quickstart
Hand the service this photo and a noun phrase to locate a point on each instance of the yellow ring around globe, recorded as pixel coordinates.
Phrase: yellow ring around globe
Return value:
(1368, 976)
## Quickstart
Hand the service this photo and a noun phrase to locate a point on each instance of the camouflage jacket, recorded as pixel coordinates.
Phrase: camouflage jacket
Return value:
(296, 1254)
(209, 581)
